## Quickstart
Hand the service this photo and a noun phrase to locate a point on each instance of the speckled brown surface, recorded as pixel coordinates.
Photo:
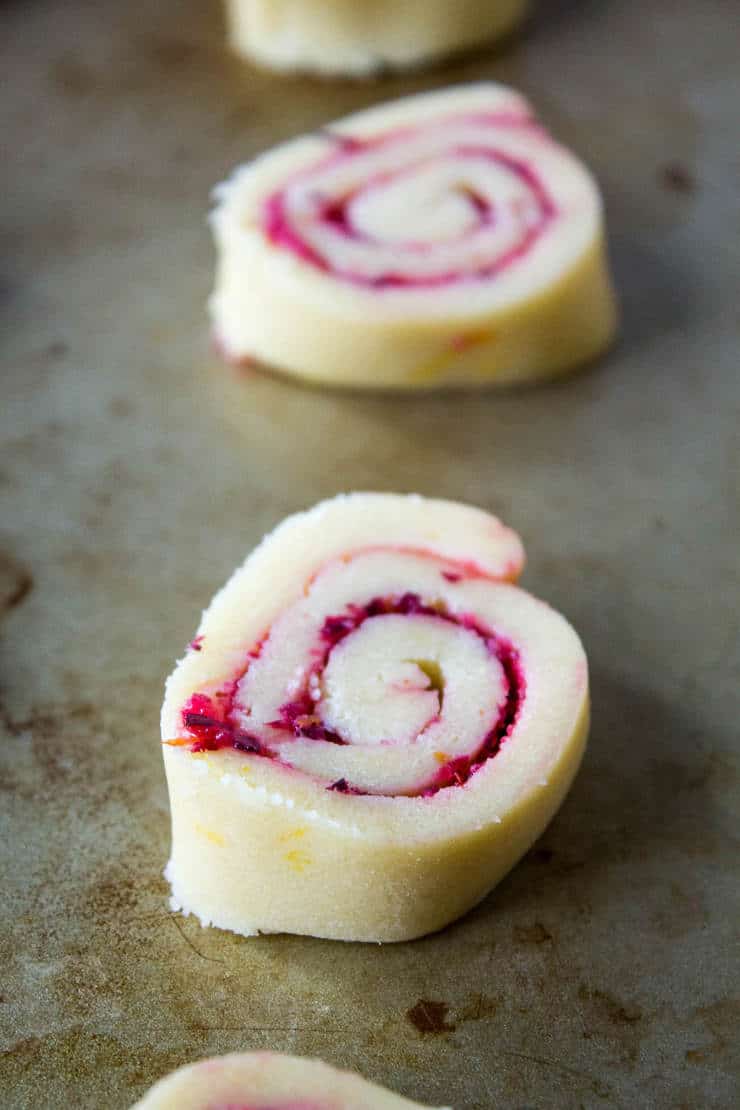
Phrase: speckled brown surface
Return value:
(136, 473)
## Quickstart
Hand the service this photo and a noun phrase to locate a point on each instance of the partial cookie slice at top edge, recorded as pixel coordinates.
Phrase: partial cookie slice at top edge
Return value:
(363, 37)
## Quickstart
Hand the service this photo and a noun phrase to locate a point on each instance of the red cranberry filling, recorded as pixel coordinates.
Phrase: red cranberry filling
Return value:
(335, 214)
(209, 721)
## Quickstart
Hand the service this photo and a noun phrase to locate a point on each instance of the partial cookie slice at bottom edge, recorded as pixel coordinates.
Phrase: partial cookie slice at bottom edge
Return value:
(268, 1081)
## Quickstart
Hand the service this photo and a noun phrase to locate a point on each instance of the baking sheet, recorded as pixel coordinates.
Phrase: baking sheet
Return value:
(136, 472)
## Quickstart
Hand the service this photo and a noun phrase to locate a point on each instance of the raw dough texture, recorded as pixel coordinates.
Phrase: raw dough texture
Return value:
(363, 37)
(440, 240)
(371, 726)
(267, 1081)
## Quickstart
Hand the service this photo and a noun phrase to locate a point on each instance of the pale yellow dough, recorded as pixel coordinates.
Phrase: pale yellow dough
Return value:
(543, 312)
(262, 844)
(362, 37)
(268, 1081)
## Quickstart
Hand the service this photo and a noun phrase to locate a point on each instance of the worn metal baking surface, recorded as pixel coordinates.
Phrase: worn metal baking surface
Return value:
(137, 472)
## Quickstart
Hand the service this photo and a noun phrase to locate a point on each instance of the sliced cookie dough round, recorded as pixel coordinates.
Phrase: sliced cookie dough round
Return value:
(372, 726)
(364, 37)
(267, 1081)
(441, 240)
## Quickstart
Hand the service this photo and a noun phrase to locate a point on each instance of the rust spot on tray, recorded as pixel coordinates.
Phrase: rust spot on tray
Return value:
(697, 773)
(721, 1019)
(72, 78)
(44, 725)
(613, 1022)
(559, 864)
(87, 1056)
(677, 178)
(616, 1011)
(541, 855)
(23, 1051)
(428, 1016)
(16, 582)
(173, 53)
(479, 1008)
(122, 408)
(112, 898)
(532, 934)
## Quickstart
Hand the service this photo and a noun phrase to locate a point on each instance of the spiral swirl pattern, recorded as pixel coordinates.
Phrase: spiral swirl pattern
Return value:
(441, 239)
(450, 200)
(334, 675)
(372, 690)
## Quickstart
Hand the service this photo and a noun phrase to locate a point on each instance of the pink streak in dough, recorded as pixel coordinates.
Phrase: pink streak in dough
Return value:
(279, 229)
(458, 568)
(209, 725)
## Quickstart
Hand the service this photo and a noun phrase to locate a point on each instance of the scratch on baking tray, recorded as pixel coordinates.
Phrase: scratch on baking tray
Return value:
(188, 941)
(312, 1030)
(155, 915)
(598, 1086)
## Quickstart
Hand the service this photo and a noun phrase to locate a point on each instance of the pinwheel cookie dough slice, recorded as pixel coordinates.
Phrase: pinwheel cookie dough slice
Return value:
(362, 37)
(372, 727)
(268, 1081)
(441, 240)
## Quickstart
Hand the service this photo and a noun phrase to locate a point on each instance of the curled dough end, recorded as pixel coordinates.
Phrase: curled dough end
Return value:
(372, 725)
